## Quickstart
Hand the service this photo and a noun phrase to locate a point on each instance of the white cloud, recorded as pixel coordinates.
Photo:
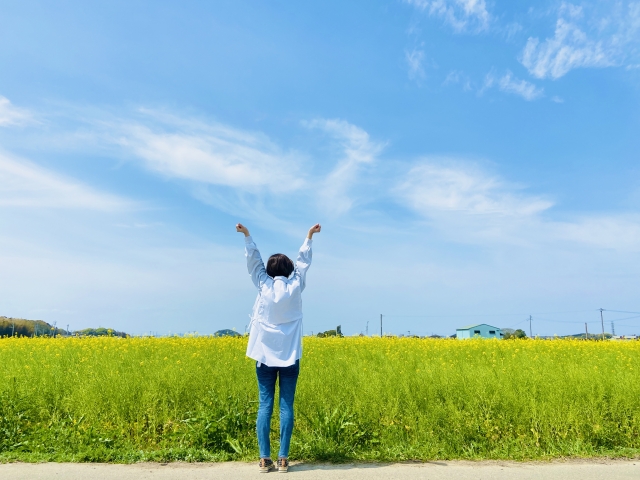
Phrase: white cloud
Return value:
(508, 83)
(471, 206)
(568, 49)
(525, 89)
(433, 187)
(461, 15)
(573, 11)
(357, 150)
(458, 77)
(10, 115)
(454, 76)
(613, 232)
(24, 184)
(235, 170)
(511, 30)
(594, 35)
(212, 154)
(415, 60)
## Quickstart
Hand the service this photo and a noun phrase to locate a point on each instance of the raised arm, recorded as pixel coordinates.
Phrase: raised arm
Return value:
(303, 262)
(255, 265)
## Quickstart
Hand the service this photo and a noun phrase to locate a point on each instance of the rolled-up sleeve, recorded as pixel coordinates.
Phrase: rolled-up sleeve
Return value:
(255, 265)
(303, 262)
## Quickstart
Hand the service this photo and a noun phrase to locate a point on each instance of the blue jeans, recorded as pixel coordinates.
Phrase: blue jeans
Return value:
(267, 387)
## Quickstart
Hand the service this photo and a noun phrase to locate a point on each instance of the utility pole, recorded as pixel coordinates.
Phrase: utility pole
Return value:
(586, 330)
(613, 330)
(367, 328)
(530, 331)
(380, 325)
(13, 327)
(67, 329)
(602, 320)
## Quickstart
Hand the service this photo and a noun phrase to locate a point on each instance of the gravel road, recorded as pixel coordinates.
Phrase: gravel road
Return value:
(579, 470)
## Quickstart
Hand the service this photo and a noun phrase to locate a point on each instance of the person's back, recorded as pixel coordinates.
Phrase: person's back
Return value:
(275, 337)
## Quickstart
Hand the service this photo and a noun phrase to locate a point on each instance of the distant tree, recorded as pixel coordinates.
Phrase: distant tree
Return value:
(38, 328)
(330, 333)
(20, 327)
(519, 333)
(226, 333)
(100, 332)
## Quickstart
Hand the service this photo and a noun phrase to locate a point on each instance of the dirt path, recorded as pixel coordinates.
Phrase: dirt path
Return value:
(578, 470)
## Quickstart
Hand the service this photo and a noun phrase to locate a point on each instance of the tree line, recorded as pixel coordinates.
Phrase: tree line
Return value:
(21, 327)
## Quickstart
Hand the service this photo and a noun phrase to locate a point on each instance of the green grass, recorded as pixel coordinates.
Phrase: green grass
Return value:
(194, 399)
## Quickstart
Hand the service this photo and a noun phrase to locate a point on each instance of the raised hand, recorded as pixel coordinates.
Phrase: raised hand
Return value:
(243, 229)
(315, 229)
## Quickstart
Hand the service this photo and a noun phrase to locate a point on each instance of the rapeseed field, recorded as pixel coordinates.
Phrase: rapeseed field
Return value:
(194, 399)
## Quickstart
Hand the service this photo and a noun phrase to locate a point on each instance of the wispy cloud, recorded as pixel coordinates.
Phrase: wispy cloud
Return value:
(24, 184)
(509, 84)
(233, 169)
(469, 205)
(415, 63)
(461, 15)
(595, 36)
(11, 115)
(358, 150)
(239, 171)
(211, 153)
(619, 231)
(229, 167)
(569, 48)
(432, 187)
(458, 77)
(506, 83)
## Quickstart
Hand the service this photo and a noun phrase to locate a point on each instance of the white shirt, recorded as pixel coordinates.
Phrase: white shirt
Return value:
(275, 336)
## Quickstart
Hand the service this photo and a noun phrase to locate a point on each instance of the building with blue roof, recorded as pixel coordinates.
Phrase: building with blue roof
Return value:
(481, 330)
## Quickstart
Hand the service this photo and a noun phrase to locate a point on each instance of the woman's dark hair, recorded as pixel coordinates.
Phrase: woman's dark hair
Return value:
(279, 265)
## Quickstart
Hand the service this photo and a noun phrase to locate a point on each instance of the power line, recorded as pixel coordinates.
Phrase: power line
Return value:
(474, 315)
(516, 324)
(625, 318)
(559, 313)
(501, 314)
(558, 321)
(547, 320)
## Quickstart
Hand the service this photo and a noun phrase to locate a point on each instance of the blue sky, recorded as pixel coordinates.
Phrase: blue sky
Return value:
(470, 161)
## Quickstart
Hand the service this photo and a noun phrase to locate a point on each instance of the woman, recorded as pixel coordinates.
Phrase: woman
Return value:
(275, 338)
